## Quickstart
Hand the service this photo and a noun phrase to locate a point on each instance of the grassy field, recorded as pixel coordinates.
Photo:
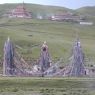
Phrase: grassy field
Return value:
(46, 86)
(30, 34)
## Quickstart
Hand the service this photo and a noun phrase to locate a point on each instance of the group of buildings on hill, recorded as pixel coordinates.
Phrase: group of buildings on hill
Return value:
(21, 12)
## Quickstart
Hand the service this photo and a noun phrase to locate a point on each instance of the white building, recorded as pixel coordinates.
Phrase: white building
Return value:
(86, 23)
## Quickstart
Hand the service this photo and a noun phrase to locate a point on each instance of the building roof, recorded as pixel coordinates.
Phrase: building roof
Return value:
(20, 11)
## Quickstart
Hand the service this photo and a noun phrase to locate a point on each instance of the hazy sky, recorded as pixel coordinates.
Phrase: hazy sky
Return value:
(73, 4)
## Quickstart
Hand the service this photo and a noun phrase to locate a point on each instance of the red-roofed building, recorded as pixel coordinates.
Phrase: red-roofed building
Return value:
(66, 17)
(19, 12)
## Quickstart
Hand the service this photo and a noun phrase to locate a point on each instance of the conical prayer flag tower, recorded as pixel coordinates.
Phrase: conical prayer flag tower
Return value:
(77, 68)
(8, 65)
(44, 58)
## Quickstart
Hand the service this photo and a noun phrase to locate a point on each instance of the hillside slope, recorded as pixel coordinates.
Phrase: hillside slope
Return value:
(29, 34)
(46, 10)
(35, 9)
(88, 11)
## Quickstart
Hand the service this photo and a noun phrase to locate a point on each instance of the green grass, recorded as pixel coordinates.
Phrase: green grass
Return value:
(87, 11)
(30, 34)
(53, 86)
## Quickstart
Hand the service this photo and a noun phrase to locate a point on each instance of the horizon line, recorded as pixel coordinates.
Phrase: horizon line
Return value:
(48, 5)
